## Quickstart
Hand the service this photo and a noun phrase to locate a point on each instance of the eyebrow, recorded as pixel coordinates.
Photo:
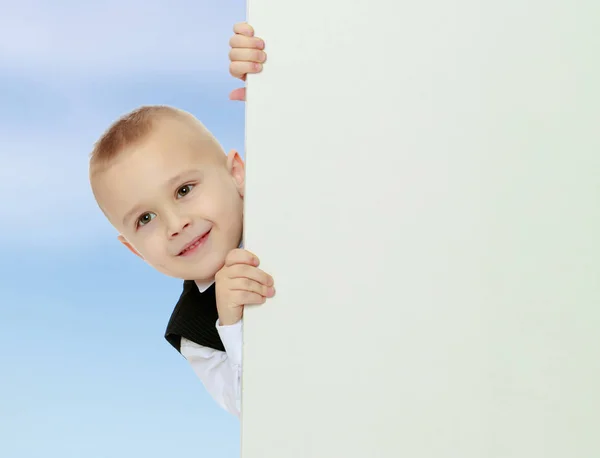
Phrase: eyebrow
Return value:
(169, 183)
(178, 178)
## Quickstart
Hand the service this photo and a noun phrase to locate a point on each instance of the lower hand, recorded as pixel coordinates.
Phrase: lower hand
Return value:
(239, 283)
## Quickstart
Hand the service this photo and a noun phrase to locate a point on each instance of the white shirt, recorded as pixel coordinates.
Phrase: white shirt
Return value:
(220, 372)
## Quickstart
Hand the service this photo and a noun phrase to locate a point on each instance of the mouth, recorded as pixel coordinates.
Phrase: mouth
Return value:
(193, 246)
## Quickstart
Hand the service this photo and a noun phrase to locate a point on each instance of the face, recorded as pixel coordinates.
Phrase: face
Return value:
(176, 200)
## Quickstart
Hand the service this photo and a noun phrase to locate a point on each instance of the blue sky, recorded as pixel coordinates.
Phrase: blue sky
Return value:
(85, 371)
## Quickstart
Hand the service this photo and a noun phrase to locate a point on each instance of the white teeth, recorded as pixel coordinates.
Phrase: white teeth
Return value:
(191, 247)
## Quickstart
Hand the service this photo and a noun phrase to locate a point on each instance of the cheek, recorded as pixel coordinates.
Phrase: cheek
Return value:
(230, 209)
(220, 204)
(149, 244)
(210, 206)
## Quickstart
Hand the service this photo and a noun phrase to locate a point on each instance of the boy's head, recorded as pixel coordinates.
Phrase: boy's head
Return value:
(164, 182)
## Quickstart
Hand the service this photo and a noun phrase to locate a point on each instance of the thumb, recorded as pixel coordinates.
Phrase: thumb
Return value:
(238, 94)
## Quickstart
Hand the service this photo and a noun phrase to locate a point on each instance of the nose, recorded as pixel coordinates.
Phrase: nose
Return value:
(176, 224)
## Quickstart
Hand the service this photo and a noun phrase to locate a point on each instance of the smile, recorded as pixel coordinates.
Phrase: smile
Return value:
(193, 246)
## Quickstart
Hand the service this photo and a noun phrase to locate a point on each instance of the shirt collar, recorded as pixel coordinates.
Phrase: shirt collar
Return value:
(203, 285)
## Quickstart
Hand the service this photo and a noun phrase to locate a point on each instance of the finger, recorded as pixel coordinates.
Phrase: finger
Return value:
(246, 298)
(243, 41)
(243, 28)
(241, 256)
(241, 69)
(238, 94)
(251, 286)
(247, 55)
(250, 273)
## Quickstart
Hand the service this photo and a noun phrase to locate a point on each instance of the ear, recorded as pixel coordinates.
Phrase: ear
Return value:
(235, 166)
(129, 245)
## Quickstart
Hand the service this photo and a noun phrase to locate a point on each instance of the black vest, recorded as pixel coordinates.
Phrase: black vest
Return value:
(195, 318)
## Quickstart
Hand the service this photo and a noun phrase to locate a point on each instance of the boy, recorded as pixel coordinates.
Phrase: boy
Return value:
(164, 182)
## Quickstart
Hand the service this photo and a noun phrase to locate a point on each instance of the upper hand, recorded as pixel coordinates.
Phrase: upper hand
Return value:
(246, 56)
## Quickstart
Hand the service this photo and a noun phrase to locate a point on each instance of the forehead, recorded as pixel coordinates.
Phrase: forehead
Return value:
(172, 142)
(144, 171)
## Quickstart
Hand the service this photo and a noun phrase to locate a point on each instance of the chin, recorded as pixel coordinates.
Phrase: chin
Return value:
(205, 273)
(202, 269)
(182, 274)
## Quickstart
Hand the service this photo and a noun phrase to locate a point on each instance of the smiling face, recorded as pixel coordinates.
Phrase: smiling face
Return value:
(176, 200)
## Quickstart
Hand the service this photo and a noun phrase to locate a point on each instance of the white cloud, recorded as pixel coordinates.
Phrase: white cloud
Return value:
(109, 37)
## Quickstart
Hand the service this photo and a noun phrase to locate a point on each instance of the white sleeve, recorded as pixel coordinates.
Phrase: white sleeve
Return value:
(220, 372)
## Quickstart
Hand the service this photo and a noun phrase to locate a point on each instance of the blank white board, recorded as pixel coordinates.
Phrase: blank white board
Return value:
(423, 181)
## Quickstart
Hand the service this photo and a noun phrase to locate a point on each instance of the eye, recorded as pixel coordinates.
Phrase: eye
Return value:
(184, 190)
(145, 219)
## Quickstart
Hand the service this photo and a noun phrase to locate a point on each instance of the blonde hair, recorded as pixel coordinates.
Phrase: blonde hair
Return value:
(127, 131)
